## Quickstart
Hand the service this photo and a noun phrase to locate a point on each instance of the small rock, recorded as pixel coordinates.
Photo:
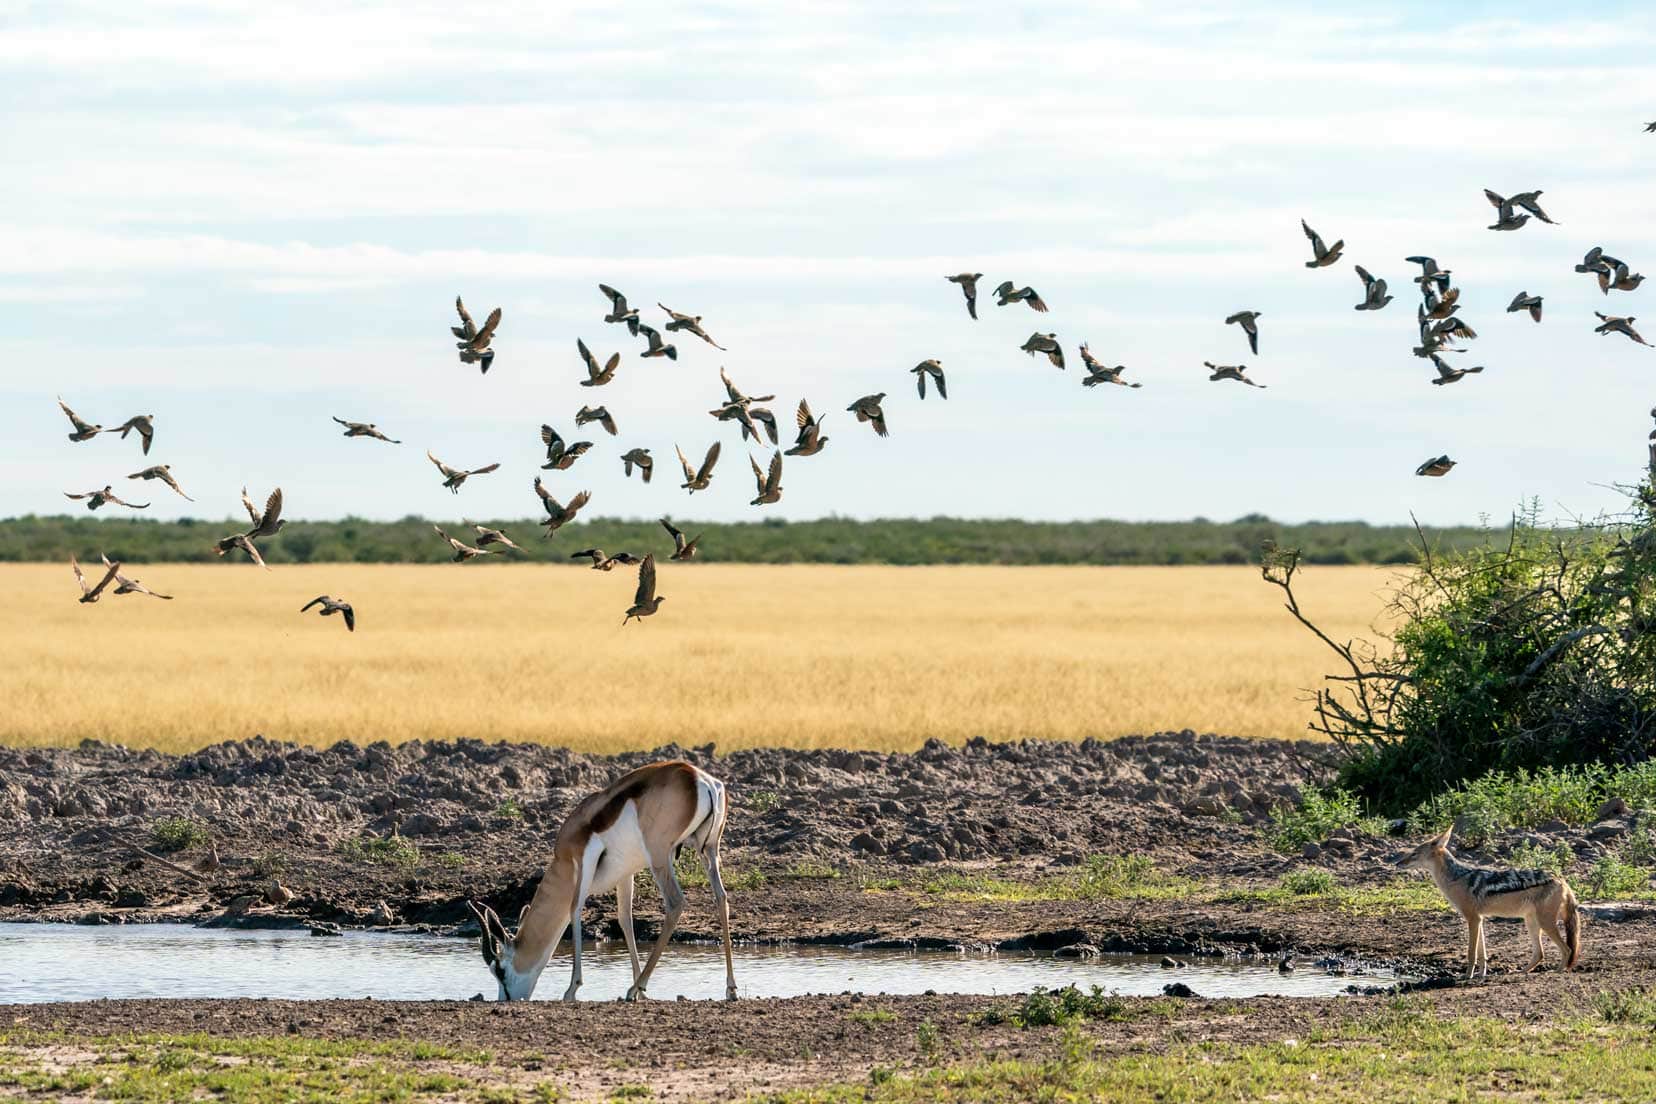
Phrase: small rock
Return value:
(1178, 989)
(863, 841)
(1615, 807)
(1076, 950)
(1310, 850)
(1205, 805)
(1170, 963)
(1610, 829)
(1552, 826)
(475, 997)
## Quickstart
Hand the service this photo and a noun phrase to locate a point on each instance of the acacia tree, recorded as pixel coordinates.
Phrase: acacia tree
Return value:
(1536, 650)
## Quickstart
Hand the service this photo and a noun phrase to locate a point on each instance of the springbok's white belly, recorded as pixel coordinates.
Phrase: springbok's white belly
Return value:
(620, 851)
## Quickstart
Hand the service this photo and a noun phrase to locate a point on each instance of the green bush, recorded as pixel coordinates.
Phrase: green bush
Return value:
(390, 850)
(1309, 883)
(1044, 1008)
(1318, 814)
(178, 834)
(1614, 876)
(1531, 652)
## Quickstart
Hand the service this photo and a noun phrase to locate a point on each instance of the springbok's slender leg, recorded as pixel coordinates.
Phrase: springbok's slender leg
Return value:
(672, 906)
(721, 905)
(583, 877)
(624, 913)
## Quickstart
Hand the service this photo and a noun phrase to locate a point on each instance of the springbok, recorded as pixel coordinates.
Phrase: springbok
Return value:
(639, 821)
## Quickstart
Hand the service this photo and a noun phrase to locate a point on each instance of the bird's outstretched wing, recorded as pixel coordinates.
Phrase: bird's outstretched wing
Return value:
(320, 598)
(646, 581)
(774, 479)
(447, 471)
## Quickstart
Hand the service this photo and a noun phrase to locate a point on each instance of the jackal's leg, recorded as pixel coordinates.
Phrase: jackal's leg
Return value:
(1483, 951)
(1532, 928)
(1549, 924)
(1474, 943)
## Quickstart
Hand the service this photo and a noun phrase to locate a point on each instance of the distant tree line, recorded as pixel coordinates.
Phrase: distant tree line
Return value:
(826, 540)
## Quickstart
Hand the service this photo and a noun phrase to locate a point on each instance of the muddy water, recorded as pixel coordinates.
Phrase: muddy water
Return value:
(61, 962)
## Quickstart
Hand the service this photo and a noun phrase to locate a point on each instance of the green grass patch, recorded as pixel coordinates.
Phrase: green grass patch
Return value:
(182, 1067)
(1404, 1053)
(390, 850)
(1319, 887)
(1101, 877)
(872, 1017)
(1525, 799)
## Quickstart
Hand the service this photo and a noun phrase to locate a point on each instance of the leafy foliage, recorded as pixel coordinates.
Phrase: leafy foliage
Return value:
(1530, 653)
(826, 540)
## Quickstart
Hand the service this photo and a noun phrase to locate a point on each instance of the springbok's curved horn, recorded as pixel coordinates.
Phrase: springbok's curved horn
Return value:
(491, 949)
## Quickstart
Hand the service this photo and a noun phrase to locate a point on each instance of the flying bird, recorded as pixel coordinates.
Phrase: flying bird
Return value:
(557, 514)
(639, 457)
(560, 456)
(697, 479)
(598, 414)
(867, 409)
(487, 536)
(91, 594)
(1609, 324)
(474, 342)
(462, 551)
(144, 424)
(601, 562)
(1374, 291)
(124, 585)
(968, 287)
(1431, 276)
(1436, 467)
(656, 348)
(331, 606)
(741, 414)
(1441, 306)
(1231, 372)
(83, 431)
(1321, 255)
(1098, 373)
(1529, 201)
(1593, 261)
(682, 549)
(454, 477)
(163, 472)
(1620, 279)
(1455, 328)
(770, 485)
(1007, 294)
(809, 441)
(95, 499)
(364, 429)
(1045, 343)
(1525, 301)
(1249, 321)
(1447, 375)
(735, 395)
(645, 600)
(933, 369)
(619, 311)
(266, 523)
(597, 377)
(1650, 128)
(689, 323)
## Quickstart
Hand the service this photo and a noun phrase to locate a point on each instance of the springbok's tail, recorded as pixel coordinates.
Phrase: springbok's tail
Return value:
(1572, 928)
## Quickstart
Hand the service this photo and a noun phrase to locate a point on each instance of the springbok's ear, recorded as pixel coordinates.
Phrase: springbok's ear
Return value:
(492, 919)
(491, 950)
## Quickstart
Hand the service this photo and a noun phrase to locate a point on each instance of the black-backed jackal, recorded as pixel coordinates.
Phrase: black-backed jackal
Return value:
(1543, 901)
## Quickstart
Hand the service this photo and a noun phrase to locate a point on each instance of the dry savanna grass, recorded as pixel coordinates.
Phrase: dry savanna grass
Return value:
(811, 656)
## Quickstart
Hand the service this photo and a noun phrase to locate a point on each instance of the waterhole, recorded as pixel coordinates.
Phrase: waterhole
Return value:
(64, 962)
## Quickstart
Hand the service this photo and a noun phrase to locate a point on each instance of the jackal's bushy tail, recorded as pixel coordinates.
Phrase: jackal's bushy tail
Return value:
(1572, 928)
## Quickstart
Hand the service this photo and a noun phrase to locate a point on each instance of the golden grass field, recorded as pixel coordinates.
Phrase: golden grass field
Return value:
(872, 657)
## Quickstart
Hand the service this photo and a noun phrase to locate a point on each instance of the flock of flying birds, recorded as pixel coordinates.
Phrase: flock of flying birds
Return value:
(1436, 315)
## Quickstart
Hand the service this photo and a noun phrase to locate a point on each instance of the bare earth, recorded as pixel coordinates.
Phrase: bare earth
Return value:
(1021, 811)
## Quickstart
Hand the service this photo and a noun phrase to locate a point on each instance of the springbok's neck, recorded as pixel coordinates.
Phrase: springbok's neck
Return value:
(545, 919)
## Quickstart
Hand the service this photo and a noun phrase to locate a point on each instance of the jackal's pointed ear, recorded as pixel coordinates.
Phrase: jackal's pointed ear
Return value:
(1443, 839)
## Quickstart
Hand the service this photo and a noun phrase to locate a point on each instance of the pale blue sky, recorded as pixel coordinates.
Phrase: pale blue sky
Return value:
(245, 222)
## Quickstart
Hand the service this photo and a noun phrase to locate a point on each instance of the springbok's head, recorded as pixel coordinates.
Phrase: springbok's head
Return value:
(499, 953)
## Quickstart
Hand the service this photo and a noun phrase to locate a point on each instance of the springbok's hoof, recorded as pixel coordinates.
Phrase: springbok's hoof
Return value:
(730, 994)
(635, 994)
